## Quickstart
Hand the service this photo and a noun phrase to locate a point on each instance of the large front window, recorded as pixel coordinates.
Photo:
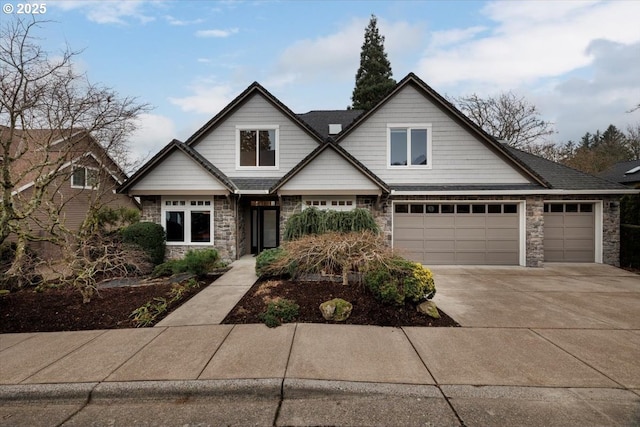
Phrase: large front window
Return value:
(257, 147)
(188, 221)
(409, 145)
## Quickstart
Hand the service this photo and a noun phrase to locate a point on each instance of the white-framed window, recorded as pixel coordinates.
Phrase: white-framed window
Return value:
(188, 220)
(257, 147)
(409, 145)
(336, 203)
(84, 177)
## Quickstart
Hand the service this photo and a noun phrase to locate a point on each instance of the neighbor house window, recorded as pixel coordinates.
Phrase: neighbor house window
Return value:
(257, 147)
(83, 177)
(409, 145)
(188, 221)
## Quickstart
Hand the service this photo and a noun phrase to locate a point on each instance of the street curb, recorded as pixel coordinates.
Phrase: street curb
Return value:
(302, 389)
(158, 390)
(22, 393)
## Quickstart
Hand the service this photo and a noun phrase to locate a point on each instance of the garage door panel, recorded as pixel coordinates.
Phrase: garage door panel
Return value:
(502, 234)
(409, 234)
(470, 234)
(439, 245)
(471, 245)
(439, 234)
(502, 222)
(473, 221)
(569, 236)
(466, 238)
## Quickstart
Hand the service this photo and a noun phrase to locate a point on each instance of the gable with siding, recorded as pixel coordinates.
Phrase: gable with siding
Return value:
(329, 173)
(219, 144)
(177, 174)
(458, 157)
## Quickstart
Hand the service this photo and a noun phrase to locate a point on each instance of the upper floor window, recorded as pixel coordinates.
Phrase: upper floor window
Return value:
(83, 177)
(257, 147)
(409, 145)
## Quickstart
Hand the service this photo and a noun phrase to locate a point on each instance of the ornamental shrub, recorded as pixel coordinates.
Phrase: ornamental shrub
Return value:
(398, 280)
(267, 263)
(198, 262)
(149, 236)
(279, 312)
(314, 221)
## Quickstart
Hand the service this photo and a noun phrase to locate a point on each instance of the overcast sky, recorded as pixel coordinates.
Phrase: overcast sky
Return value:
(578, 62)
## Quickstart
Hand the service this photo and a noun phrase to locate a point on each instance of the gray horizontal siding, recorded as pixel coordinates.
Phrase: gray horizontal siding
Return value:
(219, 146)
(178, 172)
(329, 171)
(457, 156)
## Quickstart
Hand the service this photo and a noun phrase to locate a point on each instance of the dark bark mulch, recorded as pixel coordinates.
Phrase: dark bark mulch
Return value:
(62, 309)
(309, 295)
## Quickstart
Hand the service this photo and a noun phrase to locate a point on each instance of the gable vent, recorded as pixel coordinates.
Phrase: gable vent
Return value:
(335, 128)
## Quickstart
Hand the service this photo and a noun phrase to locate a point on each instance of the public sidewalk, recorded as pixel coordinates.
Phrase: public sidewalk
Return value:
(572, 363)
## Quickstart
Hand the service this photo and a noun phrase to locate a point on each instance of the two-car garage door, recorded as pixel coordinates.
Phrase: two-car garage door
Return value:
(458, 233)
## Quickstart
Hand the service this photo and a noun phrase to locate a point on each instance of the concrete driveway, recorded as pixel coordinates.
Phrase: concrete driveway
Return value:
(575, 296)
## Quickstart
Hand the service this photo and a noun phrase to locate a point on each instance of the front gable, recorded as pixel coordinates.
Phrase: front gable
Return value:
(329, 173)
(457, 155)
(177, 174)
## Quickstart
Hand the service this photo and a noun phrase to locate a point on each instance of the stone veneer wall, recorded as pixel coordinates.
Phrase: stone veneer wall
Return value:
(224, 226)
(288, 206)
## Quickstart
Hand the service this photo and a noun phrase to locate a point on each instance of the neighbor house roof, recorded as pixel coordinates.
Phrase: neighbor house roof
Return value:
(623, 172)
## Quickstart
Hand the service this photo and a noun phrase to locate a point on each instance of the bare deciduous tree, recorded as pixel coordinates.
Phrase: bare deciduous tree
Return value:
(48, 111)
(507, 117)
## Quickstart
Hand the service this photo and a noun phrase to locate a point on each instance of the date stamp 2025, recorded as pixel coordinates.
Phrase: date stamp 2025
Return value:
(24, 8)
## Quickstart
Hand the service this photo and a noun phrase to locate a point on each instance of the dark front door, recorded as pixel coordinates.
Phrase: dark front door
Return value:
(265, 230)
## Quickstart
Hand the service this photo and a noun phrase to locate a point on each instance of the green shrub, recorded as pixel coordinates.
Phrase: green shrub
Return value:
(314, 221)
(198, 262)
(279, 312)
(149, 236)
(266, 262)
(399, 280)
(630, 246)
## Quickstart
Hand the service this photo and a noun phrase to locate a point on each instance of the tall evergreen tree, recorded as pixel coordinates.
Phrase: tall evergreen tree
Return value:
(373, 79)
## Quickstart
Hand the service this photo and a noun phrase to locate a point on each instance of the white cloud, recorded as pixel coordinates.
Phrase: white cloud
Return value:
(153, 132)
(209, 97)
(181, 23)
(108, 12)
(336, 56)
(217, 33)
(531, 40)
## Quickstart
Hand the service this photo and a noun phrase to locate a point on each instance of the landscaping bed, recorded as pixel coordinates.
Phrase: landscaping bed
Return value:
(62, 309)
(309, 295)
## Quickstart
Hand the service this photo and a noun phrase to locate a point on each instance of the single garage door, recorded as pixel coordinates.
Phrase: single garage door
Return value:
(569, 232)
(457, 233)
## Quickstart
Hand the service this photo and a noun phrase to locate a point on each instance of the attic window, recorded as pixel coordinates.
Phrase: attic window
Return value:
(409, 146)
(83, 177)
(257, 147)
(335, 128)
(634, 170)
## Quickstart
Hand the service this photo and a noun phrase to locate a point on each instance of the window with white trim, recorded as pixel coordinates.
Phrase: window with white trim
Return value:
(335, 203)
(84, 177)
(188, 221)
(257, 147)
(409, 145)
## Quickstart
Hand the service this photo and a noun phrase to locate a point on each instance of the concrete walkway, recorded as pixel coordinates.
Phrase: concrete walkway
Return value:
(553, 346)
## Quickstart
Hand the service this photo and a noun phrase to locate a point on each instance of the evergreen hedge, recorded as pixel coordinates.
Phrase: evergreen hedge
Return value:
(314, 221)
(149, 236)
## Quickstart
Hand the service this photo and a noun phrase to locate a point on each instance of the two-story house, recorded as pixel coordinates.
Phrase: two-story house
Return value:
(442, 190)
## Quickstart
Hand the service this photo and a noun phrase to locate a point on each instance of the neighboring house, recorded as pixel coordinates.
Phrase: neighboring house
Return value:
(442, 190)
(86, 175)
(626, 173)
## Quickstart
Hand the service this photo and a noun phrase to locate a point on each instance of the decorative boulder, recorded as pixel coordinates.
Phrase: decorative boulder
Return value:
(336, 309)
(430, 309)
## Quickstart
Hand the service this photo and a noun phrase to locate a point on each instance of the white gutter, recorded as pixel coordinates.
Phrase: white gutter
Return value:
(510, 192)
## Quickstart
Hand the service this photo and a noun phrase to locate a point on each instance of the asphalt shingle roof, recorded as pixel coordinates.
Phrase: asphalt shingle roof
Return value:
(249, 184)
(618, 172)
(563, 177)
(320, 120)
